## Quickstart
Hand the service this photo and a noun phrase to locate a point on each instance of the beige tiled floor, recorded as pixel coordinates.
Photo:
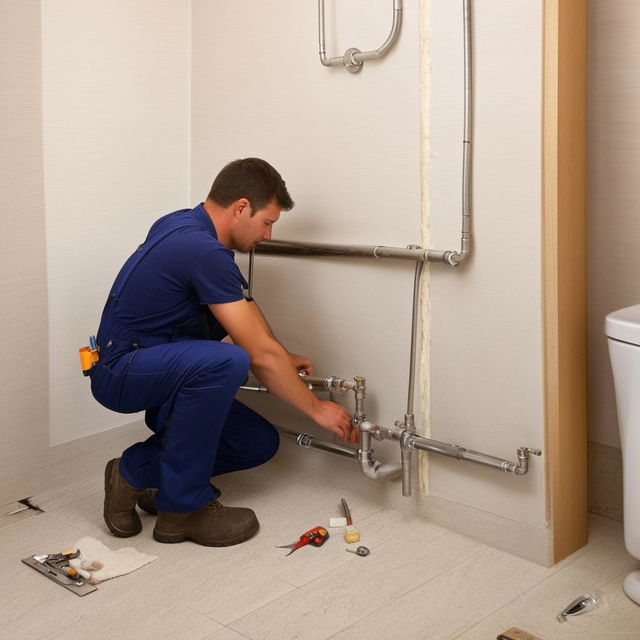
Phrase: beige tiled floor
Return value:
(420, 581)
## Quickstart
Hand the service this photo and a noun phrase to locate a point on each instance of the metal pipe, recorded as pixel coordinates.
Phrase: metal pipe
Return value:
(353, 58)
(370, 467)
(460, 453)
(286, 247)
(414, 332)
(331, 62)
(457, 257)
(308, 441)
(389, 42)
(258, 389)
(330, 383)
(250, 283)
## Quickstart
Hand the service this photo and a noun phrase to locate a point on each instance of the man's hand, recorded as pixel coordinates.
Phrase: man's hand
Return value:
(277, 369)
(333, 417)
(301, 364)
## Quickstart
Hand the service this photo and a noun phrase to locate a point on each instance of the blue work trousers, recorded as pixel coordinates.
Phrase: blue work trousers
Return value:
(187, 389)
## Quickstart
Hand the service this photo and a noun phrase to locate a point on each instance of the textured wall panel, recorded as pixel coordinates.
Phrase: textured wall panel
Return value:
(23, 281)
(614, 198)
(116, 150)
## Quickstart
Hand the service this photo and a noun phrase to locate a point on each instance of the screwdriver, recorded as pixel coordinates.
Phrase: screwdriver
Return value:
(360, 551)
(352, 534)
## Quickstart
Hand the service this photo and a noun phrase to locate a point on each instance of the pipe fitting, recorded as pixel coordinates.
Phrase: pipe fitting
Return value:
(370, 467)
(523, 460)
(350, 63)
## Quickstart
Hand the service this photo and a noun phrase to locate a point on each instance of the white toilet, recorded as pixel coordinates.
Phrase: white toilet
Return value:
(623, 335)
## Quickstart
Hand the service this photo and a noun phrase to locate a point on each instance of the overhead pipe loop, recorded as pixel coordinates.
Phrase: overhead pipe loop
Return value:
(353, 58)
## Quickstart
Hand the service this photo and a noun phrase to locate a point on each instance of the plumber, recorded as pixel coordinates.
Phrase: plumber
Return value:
(176, 339)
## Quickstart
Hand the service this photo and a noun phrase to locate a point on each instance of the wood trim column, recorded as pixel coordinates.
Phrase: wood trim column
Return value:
(564, 270)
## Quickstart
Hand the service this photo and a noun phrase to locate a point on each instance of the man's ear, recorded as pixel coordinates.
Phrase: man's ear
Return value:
(241, 206)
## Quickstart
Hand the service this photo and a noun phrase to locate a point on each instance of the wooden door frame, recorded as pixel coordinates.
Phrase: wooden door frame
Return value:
(564, 154)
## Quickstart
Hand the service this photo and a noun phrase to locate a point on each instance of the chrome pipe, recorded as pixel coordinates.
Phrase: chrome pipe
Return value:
(405, 457)
(258, 388)
(389, 42)
(286, 247)
(250, 283)
(353, 58)
(465, 244)
(370, 467)
(414, 340)
(460, 453)
(307, 441)
(331, 62)
(330, 383)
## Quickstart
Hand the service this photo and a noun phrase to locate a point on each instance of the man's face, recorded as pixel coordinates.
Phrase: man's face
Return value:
(250, 230)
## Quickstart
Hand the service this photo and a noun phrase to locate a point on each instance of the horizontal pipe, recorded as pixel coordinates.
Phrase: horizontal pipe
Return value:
(308, 441)
(330, 383)
(519, 468)
(284, 247)
(258, 389)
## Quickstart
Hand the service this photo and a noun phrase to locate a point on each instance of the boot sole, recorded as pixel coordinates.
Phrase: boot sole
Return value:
(172, 538)
(121, 533)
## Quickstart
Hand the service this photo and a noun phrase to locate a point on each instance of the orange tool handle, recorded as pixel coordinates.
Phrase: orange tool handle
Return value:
(316, 536)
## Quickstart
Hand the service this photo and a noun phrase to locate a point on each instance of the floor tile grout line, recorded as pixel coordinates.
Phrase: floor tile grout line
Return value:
(238, 632)
(206, 615)
(406, 593)
(266, 604)
(531, 588)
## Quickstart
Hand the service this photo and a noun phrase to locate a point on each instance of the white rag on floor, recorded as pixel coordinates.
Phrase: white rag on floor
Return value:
(111, 563)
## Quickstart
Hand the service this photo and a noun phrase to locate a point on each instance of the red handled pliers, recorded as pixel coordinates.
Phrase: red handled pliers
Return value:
(316, 537)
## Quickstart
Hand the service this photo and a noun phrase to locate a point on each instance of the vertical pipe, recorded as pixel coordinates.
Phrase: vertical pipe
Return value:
(414, 331)
(251, 257)
(466, 143)
(321, 38)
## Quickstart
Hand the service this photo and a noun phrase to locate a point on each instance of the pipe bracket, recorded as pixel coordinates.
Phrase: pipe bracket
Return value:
(350, 64)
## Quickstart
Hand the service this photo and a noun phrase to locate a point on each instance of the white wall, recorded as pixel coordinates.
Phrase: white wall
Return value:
(116, 95)
(24, 389)
(614, 197)
(349, 148)
(117, 155)
(486, 318)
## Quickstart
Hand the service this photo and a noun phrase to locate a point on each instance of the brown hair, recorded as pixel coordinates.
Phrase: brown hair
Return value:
(253, 179)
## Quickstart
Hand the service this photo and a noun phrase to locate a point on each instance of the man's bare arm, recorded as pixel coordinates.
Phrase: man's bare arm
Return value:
(300, 363)
(272, 365)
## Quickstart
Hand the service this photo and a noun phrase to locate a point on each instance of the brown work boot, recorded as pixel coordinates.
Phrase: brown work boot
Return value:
(145, 501)
(120, 502)
(213, 526)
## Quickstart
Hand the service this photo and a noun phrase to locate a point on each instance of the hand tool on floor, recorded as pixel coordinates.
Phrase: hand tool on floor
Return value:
(351, 534)
(316, 537)
(582, 604)
(25, 504)
(56, 567)
(360, 551)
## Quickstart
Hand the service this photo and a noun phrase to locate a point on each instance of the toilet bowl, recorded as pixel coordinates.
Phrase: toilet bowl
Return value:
(622, 328)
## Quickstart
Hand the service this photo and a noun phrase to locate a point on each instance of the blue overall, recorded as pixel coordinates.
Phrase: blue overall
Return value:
(157, 355)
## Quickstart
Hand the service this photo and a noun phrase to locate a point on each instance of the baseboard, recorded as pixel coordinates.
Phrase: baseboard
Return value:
(516, 538)
(605, 481)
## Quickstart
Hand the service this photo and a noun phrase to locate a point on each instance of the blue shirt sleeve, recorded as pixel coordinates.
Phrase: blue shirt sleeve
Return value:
(216, 278)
